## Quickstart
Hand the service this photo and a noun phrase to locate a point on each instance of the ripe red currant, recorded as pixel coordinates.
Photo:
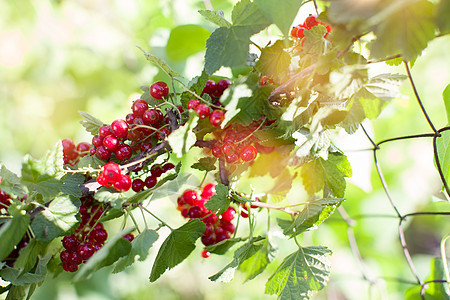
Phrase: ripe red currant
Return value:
(70, 242)
(156, 170)
(123, 152)
(69, 267)
(150, 181)
(97, 141)
(151, 117)
(112, 172)
(110, 142)
(104, 130)
(205, 254)
(248, 153)
(202, 111)
(223, 84)
(138, 185)
(210, 87)
(83, 147)
(139, 107)
(129, 237)
(216, 117)
(190, 197)
(193, 103)
(159, 90)
(68, 146)
(119, 128)
(103, 153)
(123, 184)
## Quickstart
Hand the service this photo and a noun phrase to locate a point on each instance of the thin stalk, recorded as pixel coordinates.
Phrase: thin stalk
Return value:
(154, 216)
(135, 223)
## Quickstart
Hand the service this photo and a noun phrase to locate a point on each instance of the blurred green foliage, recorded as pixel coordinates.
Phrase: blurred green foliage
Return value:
(58, 57)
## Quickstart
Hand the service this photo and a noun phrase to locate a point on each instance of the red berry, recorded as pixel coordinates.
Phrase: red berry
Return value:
(151, 117)
(205, 254)
(123, 152)
(85, 250)
(98, 235)
(103, 153)
(248, 153)
(210, 87)
(193, 103)
(244, 214)
(65, 256)
(167, 167)
(123, 184)
(68, 267)
(223, 84)
(228, 227)
(110, 143)
(216, 117)
(104, 131)
(83, 147)
(70, 242)
(129, 237)
(209, 229)
(150, 181)
(112, 171)
(139, 107)
(310, 22)
(163, 133)
(129, 118)
(208, 239)
(156, 170)
(208, 190)
(68, 146)
(75, 259)
(228, 149)
(217, 151)
(159, 90)
(119, 128)
(228, 215)
(195, 212)
(97, 141)
(202, 111)
(137, 185)
(190, 197)
(212, 219)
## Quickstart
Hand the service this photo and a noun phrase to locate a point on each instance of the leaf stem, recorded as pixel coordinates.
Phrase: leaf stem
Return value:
(154, 216)
(143, 217)
(135, 223)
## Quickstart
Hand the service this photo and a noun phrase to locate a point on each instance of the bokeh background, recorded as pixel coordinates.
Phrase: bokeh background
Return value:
(59, 57)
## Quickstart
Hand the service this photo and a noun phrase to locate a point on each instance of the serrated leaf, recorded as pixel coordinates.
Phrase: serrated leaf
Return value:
(10, 181)
(186, 40)
(406, 31)
(331, 172)
(182, 139)
(220, 201)
(90, 161)
(300, 273)
(258, 262)
(18, 278)
(11, 232)
(216, 17)
(29, 255)
(281, 186)
(229, 47)
(90, 123)
(108, 195)
(161, 64)
(223, 246)
(177, 247)
(281, 13)
(274, 60)
(315, 43)
(205, 164)
(56, 219)
(53, 161)
(240, 255)
(139, 247)
(71, 184)
(114, 249)
(314, 213)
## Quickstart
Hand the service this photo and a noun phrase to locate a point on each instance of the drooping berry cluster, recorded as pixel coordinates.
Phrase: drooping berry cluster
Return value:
(72, 153)
(150, 181)
(237, 144)
(310, 22)
(215, 91)
(111, 175)
(218, 228)
(88, 238)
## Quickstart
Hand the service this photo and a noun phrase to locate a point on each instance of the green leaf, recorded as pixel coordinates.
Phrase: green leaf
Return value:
(281, 13)
(220, 201)
(17, 292)
(182, 139)
(229, 47)
(331, 172)
(274, 60)
(406, 31)
(11, 232)
(258, 262)
(71, 184)
(223, 246)
(215, 17)
(446, 97)
(314, 213)
(300, 273)
(315, 43)
(53, 161)
(105, 195)
(90, 123)
(232, 101)
(240, 255)
(114, 249)
(29, 255)
(90, 161)
(10, 181)
(56, 219)
(205, 164)
(442, 11)
(186, 40)
(139, 247)
(161, 64)
(17, 277)
(177, 247)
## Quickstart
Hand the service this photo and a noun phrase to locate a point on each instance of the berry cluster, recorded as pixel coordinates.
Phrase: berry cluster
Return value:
(310, 21)
(4, 199)
(218, 228)
(72, 153)
(150, 181)
(111, 175)
(266, 80)
(238, 144)
(215, 91)
(88, 238)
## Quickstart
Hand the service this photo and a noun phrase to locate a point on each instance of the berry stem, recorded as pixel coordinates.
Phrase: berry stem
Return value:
(223, 172)
(201, 99)
(270, 206)
(251, 134)
(143, 217)
(134, 221)
(154, 216)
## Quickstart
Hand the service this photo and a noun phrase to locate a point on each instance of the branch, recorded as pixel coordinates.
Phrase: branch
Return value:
(286, 86)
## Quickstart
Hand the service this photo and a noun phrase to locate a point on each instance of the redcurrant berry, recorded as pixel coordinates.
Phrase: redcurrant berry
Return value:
(193, 103)
(216, 117)
(103, 153)
(123, 184)
(150, 181)
(83, 147)
(137, 185)
(151, 117)
(119, 128)
(223, 84)
(104, 131)
(110, 143)
(123, 152)
(159, 90)
(248, 153)
(205, 253)
(202, 111)
(139, 107)
(129, 237)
